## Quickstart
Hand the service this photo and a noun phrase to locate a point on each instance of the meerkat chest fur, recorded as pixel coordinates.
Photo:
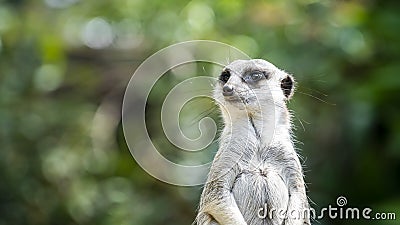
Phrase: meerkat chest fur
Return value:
(256, 156)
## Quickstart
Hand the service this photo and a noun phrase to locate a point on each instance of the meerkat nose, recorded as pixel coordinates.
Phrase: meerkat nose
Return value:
(227, 90)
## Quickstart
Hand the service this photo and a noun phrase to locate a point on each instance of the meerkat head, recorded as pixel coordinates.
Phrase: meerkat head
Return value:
(253, 85)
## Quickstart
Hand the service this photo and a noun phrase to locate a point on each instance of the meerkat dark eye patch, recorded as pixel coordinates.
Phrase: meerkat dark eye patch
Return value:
(225, 75)
(287, 86)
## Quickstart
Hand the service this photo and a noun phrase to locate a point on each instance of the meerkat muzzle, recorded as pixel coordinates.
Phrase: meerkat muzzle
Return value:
(227, 90)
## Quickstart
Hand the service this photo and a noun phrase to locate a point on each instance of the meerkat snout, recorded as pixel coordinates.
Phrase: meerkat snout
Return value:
(227, 90)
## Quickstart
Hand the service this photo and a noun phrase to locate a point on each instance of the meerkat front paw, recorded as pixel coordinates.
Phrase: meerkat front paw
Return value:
(205, 219)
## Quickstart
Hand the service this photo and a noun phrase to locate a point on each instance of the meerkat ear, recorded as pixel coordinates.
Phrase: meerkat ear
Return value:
(287, 85)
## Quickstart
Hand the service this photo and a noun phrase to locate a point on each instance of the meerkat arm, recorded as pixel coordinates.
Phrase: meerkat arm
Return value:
(218, 203)
(298, 205)
(224, 210)
(296, 209)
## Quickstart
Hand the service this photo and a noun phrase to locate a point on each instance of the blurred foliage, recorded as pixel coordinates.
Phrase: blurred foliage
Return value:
(64, 65)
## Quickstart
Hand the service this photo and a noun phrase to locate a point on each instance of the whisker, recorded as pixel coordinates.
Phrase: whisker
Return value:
(315, 97)
(205, 113)
(204, 69)
(304, 129)
(314, 90)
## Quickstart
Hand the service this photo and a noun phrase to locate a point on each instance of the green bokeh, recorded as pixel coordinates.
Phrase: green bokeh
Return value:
(64, 65)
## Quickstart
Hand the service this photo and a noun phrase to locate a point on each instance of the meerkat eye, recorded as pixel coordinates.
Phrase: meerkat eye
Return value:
(254, 77)
(225, 75)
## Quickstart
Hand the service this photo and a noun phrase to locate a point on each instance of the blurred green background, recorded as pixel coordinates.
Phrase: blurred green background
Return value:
(64, 65)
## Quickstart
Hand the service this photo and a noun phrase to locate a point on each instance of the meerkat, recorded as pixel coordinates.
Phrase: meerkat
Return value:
(256, 167)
